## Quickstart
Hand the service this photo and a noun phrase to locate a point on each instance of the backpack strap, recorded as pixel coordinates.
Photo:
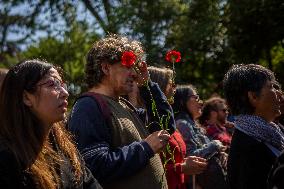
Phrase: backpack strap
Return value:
(128, 104)
(101, 102)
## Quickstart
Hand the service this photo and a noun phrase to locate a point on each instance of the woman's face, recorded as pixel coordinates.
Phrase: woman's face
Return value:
(170, 90)
(49, 102)
(194, 106)
(267, 104)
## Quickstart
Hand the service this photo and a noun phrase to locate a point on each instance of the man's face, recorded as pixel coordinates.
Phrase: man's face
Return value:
(121, 78)
(222, 113)
(267, 103)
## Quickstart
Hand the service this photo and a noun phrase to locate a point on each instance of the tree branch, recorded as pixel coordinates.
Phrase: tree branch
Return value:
(95, 14)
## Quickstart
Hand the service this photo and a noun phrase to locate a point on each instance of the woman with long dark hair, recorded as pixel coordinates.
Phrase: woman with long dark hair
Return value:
(188, 108)
(35, 149)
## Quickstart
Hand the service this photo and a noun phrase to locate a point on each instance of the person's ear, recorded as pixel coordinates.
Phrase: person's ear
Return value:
(253, 98)
(28, 99)
(105, 68)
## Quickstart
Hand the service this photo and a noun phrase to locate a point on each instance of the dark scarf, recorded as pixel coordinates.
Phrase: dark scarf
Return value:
(261, 130)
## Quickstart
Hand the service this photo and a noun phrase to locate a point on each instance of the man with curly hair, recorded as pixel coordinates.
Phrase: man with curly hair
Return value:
(114, 141)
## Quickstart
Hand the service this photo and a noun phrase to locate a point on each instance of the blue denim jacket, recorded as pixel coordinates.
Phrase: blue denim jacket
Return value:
(197, 143)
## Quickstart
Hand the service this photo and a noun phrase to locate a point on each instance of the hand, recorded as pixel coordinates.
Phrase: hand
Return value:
(220, 146)
(142, 74)
(193, 165)
(158, 140)
(223, 159)
(229, 124)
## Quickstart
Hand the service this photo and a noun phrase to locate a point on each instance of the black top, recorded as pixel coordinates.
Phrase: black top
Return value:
(13, 176)
(249, 162)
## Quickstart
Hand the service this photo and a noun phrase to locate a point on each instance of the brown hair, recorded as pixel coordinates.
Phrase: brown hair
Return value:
(212, 104)
(109, 50)
(162, 76)
(23, 133)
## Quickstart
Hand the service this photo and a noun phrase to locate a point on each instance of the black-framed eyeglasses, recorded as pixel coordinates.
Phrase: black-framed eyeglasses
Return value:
(55, 83)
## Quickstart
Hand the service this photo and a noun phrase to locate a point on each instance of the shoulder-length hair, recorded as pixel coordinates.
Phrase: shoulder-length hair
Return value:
(239, 80)
(23, 133)
(183, 93)
(161, 76)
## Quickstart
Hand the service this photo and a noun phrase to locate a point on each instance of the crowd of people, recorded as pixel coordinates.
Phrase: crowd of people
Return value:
(135, 127)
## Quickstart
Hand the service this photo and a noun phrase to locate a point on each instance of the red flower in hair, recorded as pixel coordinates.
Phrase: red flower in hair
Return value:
(173, 56)
(128, 59)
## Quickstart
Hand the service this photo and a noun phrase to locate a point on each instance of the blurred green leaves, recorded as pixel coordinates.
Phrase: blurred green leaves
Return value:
(210, 34)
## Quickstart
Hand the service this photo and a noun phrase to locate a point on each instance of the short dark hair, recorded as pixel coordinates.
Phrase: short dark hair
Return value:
(183, 92)
(212, 104)
(108, 50)
(239, 80)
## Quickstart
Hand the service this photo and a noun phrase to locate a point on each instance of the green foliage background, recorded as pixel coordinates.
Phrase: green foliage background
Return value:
(210, 34)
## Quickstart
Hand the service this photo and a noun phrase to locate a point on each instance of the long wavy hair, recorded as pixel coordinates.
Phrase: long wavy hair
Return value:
(23, 133)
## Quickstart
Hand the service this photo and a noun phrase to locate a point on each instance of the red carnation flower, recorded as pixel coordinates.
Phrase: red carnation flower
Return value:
(173, 56)
(128, 59)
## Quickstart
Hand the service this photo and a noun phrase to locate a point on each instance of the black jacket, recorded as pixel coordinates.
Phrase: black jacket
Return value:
(249, 162)
(12, 176)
